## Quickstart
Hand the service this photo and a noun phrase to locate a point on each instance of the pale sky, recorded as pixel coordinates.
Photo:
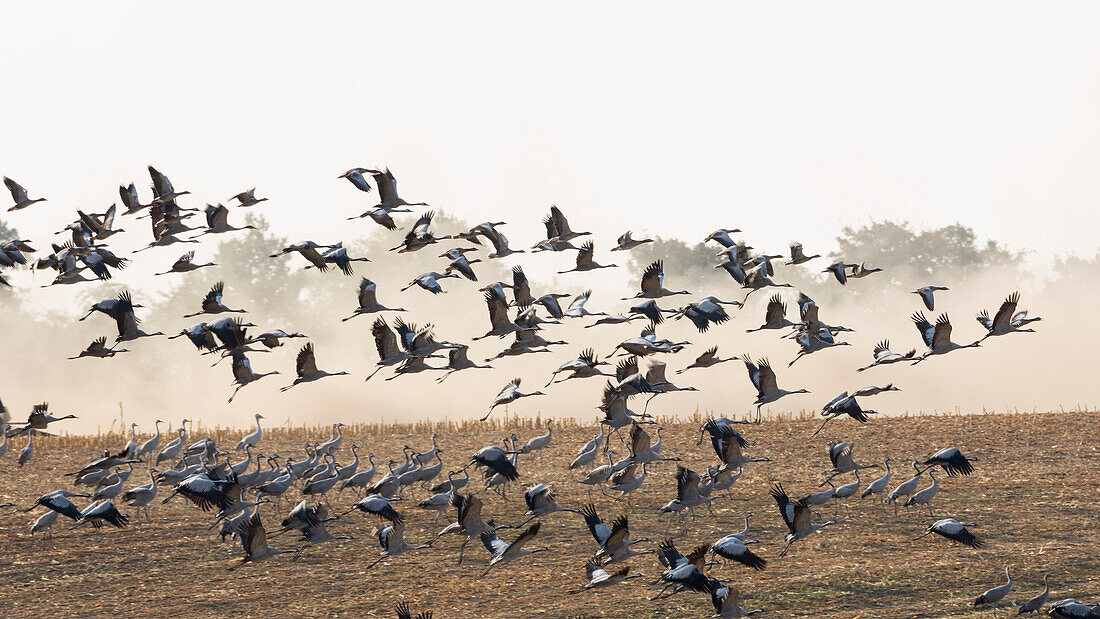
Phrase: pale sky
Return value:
(785, 120)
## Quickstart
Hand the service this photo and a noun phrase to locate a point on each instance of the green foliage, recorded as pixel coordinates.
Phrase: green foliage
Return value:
(895, 246)
(7, 233)
(1073, 268)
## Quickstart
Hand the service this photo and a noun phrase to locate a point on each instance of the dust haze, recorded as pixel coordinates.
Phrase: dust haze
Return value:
(169, 379)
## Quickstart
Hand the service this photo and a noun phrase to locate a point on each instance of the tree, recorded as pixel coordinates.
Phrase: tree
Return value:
(7, 296)
(895, 247)
(265, 286)
(7, 233)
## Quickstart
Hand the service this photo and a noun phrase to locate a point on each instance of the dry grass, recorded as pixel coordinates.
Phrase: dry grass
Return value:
(1033, 492)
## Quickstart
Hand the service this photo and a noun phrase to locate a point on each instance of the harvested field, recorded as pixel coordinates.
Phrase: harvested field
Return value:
(1033, 494)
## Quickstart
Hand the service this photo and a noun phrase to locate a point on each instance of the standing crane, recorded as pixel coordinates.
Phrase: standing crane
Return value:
(996, 594)
(253, 438)
(27, 452)
(141, 496)
(540, 442)
(150, 445)
(1036, 603)
(879, 485)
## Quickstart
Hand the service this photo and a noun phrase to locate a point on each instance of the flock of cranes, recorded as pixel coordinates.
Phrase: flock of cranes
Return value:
(238, 492)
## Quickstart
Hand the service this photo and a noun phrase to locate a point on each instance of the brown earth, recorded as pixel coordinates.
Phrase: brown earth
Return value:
(1033, 494)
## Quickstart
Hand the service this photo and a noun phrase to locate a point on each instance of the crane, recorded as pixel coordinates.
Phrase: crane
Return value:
(996, 594)
(626, 242)
(884, 356)
(734, 548)
(504, 552)
(879, 485)
(937, 337)
(653, 283)
(708, 359)
(797, 517)
(212, 303)
(243, 374)
(952, 461)
(1036, 603)
(1007, 319)
(19, 195)
(247, 197)
(185, 264)
(306, 368)
(510, 393)
(763, 378)
(254, 542)
(775, 316)
(953, 530)
(927, 295)
(797, 255)
(585, 260)
(368, 301)
(599, 577)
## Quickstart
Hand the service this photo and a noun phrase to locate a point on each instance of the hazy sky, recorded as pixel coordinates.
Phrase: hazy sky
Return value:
(785, 120)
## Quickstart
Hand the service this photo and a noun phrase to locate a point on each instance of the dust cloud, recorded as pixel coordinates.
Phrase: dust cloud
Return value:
(169, 380)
